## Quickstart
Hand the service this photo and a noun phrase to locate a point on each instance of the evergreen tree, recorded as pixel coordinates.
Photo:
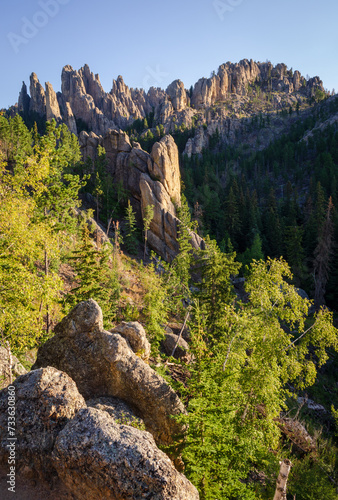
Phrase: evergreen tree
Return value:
(179, 272)
(272, 228)
(295, 253)
(254, 252)
(232, 215)
(96, 276)
(59, 201)
(130, 237)
(16, 140)
(215, 287)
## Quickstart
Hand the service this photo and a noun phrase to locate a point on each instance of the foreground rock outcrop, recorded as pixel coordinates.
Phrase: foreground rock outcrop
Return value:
(136, 337)
(103, 364)
(83, 415)
(93, 454)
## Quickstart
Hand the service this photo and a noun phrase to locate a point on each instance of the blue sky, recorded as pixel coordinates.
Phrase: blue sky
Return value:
(152, 42)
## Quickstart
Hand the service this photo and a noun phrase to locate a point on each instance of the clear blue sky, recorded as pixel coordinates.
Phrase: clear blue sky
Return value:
(153, 42)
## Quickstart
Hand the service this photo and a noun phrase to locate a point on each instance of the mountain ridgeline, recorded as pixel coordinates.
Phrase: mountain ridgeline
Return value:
(83, 102)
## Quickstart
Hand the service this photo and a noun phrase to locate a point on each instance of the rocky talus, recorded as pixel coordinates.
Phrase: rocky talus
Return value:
(90, 414)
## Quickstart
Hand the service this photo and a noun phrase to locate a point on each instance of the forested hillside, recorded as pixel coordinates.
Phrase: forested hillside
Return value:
(277, 201)
(255, 345)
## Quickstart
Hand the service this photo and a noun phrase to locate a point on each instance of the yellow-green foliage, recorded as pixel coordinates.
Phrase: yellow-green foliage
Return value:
(37, 207)
(155, 305)
(243, 362)
(26, 289)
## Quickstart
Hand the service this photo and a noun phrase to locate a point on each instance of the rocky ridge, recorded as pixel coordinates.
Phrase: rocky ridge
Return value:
(83, 101)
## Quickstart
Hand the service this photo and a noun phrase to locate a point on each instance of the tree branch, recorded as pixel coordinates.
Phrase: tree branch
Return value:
(7, 249)
(298, 338)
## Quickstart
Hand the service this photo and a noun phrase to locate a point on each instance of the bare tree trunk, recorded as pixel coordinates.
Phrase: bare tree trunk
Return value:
(108, 226)
(145, 245)
(180, 334)
(285, 467)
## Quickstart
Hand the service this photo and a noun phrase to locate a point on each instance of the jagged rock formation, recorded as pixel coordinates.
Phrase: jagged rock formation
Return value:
(219, 105)
(37, 102)
(178, 95)
(200, 141)
(83, 100)
(103, 364)
(52, 105)
(162, 235)
(24, 99)
(165, 167)
(150, 179)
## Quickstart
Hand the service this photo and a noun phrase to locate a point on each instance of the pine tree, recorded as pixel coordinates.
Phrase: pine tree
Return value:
(96, 276)
(233, 220)
(180, 269)
(130, 237)
(295, 252)
(272, 228)
(215, 288)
